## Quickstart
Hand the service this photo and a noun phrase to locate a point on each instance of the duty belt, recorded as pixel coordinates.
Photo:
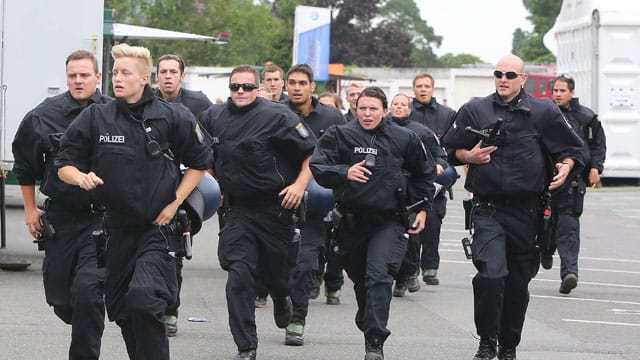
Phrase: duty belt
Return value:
(54, 205)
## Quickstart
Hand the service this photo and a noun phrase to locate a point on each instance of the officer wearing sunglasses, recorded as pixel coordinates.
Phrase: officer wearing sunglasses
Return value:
(262, 153)
(507, 181)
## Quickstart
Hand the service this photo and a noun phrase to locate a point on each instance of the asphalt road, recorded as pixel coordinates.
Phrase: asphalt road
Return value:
(599, 320)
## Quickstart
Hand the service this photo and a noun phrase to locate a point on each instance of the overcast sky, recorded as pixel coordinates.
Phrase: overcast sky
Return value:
(483, 28)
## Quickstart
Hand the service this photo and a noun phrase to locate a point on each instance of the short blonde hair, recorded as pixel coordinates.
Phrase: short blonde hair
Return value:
(141, 53)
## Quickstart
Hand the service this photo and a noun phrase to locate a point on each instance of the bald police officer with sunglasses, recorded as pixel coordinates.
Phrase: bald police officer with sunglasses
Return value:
(507, 179)
(262, 153)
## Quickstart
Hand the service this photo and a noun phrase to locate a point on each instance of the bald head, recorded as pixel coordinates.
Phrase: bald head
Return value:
(512, 61)
(508, 86)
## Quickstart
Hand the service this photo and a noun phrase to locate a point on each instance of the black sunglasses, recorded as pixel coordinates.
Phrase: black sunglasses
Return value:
(509, 74)
(244, 86)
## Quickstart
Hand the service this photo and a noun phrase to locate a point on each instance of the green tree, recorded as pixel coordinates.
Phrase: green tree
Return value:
(543, 14)
(252, 28)
(404, 16)
(456, 61)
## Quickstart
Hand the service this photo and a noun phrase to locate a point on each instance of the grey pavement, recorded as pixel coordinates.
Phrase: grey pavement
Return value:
(599, 320)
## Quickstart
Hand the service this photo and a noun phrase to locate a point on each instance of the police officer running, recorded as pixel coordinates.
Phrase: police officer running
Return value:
(507, 179)
(439, 118)
(365, 163)
(73, 284)
(128, 152)
(262, 153)
(170, 75)
(317, 117)
(399, 114)
(567, 201)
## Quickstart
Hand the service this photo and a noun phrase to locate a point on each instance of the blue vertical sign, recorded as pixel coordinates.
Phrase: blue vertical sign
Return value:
(311, 39)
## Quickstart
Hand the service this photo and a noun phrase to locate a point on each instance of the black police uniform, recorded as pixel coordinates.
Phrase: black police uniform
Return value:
(349, 117)
(439, 119)
(259, 150)
(313, 236)
(371, 237)
(196, 102)
(506, 214)
(115, 141)
(567, 201)
(411, 262)
(73, 285)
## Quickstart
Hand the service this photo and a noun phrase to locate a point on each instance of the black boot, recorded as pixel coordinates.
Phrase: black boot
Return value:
(486, 350)
(282, 311)
(373, 351)
(506, 353)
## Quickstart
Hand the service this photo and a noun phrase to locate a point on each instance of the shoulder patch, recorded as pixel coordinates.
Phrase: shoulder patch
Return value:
(199, 133)
(302, 130)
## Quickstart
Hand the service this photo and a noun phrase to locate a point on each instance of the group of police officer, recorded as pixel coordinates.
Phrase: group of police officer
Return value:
(116, 173)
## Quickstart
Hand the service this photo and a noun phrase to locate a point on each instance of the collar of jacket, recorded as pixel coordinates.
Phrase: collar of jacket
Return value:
(403, 121)
(431, 104)
(137, 109)
(245, 109)
(72, 105)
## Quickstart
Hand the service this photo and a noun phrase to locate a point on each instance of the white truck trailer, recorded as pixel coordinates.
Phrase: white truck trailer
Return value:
(597, 43)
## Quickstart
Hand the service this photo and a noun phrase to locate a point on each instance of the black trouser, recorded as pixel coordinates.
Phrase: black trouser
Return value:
(141, 284)
(72, 283)
(173, 310)
(429, 238)
(307, 266)
(252, 235)
(566, 208)
(331, 264)
(506, 257)
(372, 254)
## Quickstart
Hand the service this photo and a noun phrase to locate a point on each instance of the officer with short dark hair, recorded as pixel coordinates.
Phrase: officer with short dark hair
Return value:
(262, 153)
(170, 75)
(567, 201)
(318, 118)
(128, 152)
(370, 164)
(507, 179)
(73, 285)
(439, 118)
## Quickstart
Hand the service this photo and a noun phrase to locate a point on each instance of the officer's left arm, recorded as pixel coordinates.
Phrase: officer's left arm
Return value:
(598, 147)
(292, 194)
(326, 165)
(189, 181)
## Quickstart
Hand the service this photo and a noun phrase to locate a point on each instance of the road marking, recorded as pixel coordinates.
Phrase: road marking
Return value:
(609, 259)
(586, 299)
(612, 271)
(600, 322)
(595, 283)
(625, 311)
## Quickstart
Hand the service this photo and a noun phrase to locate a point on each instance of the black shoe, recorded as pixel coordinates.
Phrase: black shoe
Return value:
(569, 282)
(314, 292)
(505, 353)
(282, 311)
(413, 284)
(546, 260)
(373, 352)
(486, 350)
(261, 302)
(246, 355)
(294, 333)
(399, 289)
(333, 296)
(430, 277)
